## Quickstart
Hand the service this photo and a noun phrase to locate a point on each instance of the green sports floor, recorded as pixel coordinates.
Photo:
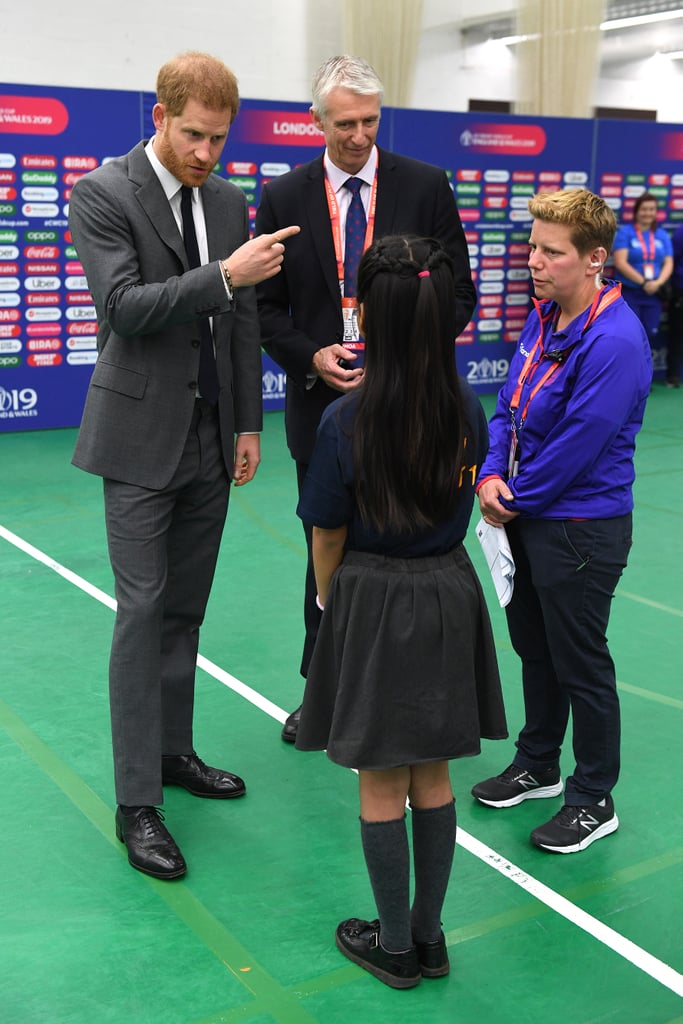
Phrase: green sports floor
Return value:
(248, 935)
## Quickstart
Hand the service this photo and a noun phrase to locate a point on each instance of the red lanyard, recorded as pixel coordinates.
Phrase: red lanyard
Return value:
(333, 207)
(604, 298)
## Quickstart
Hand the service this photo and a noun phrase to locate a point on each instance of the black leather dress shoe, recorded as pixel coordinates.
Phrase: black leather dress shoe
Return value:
(359, 941)
(291, 726)
(151, 847)
(190, 772)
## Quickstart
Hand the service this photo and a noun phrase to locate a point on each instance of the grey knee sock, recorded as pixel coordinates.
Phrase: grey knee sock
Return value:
(433, 846)
(385, 845)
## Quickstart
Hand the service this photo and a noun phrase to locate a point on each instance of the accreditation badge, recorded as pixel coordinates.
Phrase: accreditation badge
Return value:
(513, 457)
(352, 338)
(649, 271)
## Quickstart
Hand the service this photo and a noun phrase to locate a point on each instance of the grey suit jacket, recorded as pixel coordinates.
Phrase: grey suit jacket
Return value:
(142, 392)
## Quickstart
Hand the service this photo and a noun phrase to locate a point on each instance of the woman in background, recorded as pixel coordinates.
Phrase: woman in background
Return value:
(643, 261)
(404, 674)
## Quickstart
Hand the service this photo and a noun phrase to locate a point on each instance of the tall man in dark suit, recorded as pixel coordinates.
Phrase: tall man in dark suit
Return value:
(164, 247)
(305, 326)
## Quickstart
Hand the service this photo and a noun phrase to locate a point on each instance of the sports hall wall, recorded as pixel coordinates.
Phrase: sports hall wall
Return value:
(51, 136)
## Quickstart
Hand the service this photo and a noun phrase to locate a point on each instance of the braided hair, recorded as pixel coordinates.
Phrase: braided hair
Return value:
(409, 433)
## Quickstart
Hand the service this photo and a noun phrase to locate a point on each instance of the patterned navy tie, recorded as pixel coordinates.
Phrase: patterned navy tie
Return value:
(355, 235)
(208, 374)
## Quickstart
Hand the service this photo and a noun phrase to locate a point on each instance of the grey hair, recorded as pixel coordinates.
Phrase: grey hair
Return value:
(346, 72)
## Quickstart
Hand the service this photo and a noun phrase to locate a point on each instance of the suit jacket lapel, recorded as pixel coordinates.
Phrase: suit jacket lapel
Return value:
(387, 194)
(154, 203)
(318, 214)
(215, 218)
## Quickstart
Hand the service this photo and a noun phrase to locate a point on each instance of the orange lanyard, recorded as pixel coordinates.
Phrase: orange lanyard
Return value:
(335, 222)
(604, 298)
(649, 251)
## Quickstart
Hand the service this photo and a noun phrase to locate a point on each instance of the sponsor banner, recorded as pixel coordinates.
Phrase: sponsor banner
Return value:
(49, 139)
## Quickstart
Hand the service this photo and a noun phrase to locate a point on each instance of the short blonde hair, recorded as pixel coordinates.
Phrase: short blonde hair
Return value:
(590, 221)
(197, 76)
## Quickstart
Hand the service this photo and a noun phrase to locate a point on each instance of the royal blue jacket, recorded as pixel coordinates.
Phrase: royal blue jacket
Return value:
(577, 437)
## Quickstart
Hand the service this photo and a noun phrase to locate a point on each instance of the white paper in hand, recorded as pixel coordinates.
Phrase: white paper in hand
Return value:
(496, 548)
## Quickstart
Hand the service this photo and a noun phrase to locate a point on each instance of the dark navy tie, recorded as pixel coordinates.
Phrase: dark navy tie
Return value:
(355, 235)
(208, 374)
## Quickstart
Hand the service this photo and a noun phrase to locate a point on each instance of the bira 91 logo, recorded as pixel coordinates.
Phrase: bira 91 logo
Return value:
(18, 403)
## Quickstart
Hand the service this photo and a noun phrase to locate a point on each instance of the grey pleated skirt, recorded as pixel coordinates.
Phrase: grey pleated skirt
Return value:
(404, 669)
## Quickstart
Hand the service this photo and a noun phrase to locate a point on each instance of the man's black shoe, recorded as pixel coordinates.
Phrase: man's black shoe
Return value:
(190, 772)
(359, 941)
(291, 726)
(151, 847)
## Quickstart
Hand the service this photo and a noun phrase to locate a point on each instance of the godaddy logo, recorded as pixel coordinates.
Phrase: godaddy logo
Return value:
(39, 178)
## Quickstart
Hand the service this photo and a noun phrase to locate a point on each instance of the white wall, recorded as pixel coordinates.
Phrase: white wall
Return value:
(274, 46)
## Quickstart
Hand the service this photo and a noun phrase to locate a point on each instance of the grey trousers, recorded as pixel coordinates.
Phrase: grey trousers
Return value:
(163, 547)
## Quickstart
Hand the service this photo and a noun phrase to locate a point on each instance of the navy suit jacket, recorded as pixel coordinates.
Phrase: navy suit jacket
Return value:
(300, 308)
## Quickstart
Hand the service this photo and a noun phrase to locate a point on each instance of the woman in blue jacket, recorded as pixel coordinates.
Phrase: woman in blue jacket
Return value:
(643, 261)
(558, 477)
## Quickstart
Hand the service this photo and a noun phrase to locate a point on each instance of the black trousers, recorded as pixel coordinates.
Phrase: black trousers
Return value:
(674, 353)
(565, 578)
(312, 613)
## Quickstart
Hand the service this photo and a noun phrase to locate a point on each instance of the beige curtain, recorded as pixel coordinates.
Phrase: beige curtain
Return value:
(557, 66)
(386, 33)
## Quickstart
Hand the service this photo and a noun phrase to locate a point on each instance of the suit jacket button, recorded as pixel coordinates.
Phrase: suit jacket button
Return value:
(192, 385)
(195, 343)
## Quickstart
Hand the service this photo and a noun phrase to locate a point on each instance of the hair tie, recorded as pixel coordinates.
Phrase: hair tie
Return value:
(424, 273)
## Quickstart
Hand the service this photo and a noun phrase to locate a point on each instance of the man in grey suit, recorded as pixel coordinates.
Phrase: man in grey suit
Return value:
(307, 313)
(172, 415)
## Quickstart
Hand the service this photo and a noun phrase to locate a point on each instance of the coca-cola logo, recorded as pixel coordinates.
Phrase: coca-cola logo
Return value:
(83, 328)
(41, 252)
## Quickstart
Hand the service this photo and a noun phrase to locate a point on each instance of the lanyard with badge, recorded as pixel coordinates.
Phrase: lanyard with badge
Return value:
(648, 250)
(351, 338)
(604, 298)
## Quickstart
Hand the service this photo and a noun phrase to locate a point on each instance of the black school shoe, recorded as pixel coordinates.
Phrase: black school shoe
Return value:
(433, 958)
(359, 941)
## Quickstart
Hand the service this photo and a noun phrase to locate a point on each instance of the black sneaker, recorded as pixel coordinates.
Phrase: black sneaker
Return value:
(516, 784)
(359, 941)
(574, 828)
(433, 958)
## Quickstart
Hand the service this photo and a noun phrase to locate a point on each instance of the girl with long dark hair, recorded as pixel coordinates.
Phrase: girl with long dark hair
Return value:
(404, 674)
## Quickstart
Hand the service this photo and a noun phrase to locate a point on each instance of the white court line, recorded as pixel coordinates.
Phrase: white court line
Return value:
(636, 955)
